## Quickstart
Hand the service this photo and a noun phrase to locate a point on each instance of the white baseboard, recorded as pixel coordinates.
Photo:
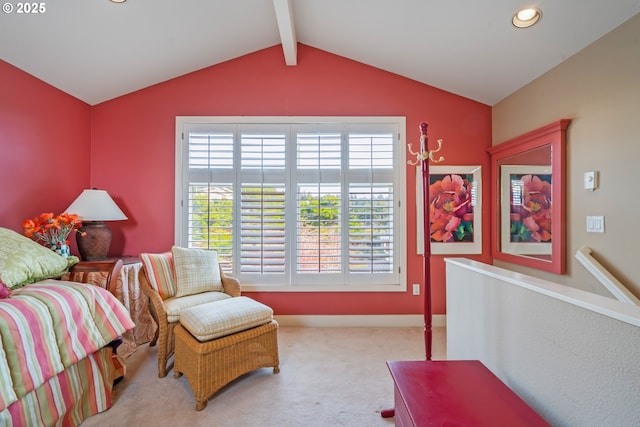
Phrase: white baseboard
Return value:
(369, 321)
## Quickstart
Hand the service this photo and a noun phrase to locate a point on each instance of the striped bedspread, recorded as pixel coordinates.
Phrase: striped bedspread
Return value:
(49, 326)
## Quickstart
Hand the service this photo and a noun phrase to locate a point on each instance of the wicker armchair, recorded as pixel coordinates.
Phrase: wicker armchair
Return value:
(166, 322)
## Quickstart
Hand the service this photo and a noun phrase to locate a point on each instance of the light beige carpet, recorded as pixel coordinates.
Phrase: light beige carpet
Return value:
(328, 377)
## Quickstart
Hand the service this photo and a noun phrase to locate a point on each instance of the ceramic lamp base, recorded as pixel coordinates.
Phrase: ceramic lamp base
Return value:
(94, 245)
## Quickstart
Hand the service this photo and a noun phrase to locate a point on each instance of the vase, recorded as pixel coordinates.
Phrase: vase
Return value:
(61, 249)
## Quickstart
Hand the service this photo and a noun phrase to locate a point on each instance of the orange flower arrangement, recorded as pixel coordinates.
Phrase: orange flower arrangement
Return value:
(51, 230)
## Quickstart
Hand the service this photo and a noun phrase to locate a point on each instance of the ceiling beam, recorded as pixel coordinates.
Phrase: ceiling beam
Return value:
(284, 16)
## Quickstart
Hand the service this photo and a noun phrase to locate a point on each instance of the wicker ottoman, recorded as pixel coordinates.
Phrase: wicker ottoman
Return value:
(211, 364)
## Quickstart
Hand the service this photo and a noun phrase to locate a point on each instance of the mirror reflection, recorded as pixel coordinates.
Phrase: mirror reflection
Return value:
(526, 196)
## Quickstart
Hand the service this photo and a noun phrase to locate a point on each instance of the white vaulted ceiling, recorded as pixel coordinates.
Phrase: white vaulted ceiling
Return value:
(97, 50)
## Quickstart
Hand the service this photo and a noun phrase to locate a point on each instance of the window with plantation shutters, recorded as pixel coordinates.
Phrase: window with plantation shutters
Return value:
(295, 203)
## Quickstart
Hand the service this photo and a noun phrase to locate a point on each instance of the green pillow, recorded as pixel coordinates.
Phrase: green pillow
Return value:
(23, 261)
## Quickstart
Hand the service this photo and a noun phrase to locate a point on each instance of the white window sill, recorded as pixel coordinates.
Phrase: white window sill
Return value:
(323, 288)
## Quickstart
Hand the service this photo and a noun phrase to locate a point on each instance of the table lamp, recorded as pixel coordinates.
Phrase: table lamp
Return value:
(95, 207)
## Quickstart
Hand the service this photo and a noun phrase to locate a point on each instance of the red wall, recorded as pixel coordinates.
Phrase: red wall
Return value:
(44, 147)
(133, 149)
(53, 145)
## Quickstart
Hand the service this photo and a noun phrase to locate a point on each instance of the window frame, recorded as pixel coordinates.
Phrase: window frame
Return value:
(399, 181)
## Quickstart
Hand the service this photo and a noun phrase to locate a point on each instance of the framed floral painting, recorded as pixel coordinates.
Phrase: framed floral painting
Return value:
(455, 209)
(526, 206)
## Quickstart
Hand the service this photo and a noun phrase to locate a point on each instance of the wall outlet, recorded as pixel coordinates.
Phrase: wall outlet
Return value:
(416, 288)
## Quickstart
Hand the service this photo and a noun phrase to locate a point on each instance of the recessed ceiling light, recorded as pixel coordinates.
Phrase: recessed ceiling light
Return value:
(526, 17)
(118, 1)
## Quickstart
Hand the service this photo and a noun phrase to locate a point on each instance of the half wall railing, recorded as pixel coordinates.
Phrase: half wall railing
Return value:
(608, 280)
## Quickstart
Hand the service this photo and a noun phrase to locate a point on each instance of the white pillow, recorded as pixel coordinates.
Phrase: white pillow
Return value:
(197, 271)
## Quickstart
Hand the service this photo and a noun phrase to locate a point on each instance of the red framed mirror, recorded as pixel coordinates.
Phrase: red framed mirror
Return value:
(528, 198)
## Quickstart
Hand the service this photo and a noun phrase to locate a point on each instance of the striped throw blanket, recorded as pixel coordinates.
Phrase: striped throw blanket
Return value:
(48, 326)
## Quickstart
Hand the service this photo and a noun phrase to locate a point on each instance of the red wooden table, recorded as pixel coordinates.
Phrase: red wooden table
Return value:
(456, 393)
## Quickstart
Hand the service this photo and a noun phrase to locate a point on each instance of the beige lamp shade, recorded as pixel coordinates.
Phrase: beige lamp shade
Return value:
(96, 205)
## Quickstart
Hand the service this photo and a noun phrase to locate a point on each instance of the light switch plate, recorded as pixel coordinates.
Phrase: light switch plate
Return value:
(595, 224)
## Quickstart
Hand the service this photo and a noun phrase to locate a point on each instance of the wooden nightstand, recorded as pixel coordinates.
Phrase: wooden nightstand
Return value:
(126, 259)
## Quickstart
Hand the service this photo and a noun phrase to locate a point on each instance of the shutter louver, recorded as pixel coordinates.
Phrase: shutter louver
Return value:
(319, 203)
(371, 203)
(262, 204)
(210, 194)
(371, 229)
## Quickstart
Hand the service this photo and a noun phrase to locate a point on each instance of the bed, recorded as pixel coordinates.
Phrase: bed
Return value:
(58, 337)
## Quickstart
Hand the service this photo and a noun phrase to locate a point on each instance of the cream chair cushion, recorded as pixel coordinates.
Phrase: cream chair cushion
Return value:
(226, 317)
(197, 271)
(176, 306)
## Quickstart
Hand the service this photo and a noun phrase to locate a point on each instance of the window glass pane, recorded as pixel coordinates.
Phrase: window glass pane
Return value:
(262, 228)
(319, 241)
(370, 228)
(210, 150)
(262, 151)
(316, 150)
(370, 151)
(210, 220)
